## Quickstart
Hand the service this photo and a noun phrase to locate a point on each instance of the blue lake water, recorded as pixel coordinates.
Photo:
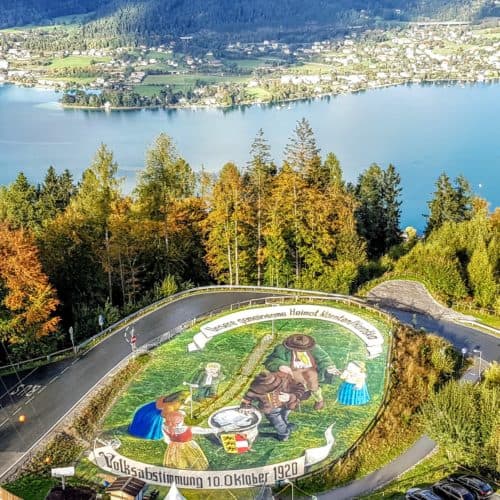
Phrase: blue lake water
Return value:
(422, 130)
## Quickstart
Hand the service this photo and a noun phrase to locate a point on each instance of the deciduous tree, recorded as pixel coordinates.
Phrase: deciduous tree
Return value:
(27, 300)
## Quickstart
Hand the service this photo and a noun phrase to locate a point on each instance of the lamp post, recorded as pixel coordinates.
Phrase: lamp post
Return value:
(477, 351)
(287, 481)
(464, 352)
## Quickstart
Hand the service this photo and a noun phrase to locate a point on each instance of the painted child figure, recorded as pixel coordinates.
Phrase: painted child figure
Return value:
(148, 419)
(353, 390)
(207, 380)
(182, 452)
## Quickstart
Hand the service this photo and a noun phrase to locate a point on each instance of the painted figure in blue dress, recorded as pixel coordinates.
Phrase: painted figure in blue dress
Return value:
(353, 390)
(148, 419)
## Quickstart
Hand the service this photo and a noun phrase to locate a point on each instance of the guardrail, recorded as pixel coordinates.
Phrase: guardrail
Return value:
(119, 325)
(295, 295)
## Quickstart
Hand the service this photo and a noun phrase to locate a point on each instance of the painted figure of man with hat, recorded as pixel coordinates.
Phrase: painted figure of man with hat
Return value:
(276, 395)
(308, 364)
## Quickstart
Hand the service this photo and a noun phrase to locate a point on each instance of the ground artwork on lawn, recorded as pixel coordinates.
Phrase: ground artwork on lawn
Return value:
(251, 398)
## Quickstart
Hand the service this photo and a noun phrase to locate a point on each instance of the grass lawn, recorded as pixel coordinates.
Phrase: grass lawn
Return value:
(31, 487)
(487, 319)
(232, 350)
(148, 90)
(490, 33)
(75, 61)
(249, 64)
(258, 93)
(426, 473)
(188, 82)
(310, 68)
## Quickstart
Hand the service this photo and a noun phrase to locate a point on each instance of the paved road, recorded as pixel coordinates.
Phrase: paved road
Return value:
(53, 390)
(459, 335)
(49, 392)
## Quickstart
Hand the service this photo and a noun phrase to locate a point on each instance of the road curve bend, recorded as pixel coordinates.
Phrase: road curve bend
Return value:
(51, 392)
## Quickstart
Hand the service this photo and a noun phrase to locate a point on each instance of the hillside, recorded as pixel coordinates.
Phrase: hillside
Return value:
(256, 19)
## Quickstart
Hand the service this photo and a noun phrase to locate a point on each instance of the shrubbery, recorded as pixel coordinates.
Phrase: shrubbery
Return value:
(420, 364)
(465, 422)
(87, 421)
(459, 262)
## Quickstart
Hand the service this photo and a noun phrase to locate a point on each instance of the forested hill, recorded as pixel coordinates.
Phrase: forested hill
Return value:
(148, 19)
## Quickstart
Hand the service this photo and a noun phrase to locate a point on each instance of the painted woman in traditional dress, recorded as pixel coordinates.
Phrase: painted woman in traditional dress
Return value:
(148, 420)
(182, 451)
(353, 390)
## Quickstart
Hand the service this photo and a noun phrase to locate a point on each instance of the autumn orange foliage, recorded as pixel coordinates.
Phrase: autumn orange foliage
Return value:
(28, 301)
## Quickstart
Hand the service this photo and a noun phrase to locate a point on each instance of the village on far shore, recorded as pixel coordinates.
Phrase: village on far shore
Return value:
(244, 73)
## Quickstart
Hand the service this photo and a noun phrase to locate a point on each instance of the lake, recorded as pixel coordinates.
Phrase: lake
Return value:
(422, 130)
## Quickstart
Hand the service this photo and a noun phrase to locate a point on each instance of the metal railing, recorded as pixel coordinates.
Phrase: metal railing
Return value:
(294, 296)
(120, 324)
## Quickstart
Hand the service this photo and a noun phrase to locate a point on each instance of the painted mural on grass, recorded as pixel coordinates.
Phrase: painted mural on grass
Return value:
(259, 401)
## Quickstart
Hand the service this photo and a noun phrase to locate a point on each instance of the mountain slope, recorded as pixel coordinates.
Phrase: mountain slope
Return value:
(161, 19)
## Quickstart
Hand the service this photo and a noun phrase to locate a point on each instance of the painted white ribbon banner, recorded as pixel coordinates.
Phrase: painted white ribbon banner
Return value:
(108, 459)
(369, 334)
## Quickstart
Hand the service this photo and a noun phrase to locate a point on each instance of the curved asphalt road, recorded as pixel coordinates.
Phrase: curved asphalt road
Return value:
(50, 392)
(53, 390)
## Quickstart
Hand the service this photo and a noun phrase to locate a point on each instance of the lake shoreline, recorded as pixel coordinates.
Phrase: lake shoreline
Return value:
(422, 129)
(486, 80)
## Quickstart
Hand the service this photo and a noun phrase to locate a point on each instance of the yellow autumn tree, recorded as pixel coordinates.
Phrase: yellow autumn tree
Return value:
(226, 229)
(27, 300)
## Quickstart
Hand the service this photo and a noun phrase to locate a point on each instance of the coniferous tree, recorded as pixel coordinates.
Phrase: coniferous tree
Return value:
(450, 203)
(392, 207)
(17, 203)
(27, 300)
(481, 276)
(258, 177)
(284, 217)
(302, 153)
(98, 192)
(165, 178)
(378, 213)
(333, 172)
(55, 194)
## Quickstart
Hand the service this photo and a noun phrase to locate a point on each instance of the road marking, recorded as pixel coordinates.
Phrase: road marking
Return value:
(66, 369)
(54, 379)
(4, 422)
(75, 361)
(29, 401)
(42, 389)
(17, 411)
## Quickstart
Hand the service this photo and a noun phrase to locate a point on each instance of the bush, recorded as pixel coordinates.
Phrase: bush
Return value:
(464, 420)
(413, 377)
(87, 421)
(492, 375)
(62, 451)
(437, 266)
(168, 286)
